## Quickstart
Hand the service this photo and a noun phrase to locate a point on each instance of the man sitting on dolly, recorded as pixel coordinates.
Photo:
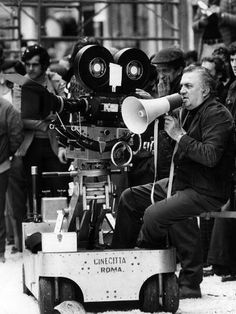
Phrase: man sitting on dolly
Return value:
(204, 162)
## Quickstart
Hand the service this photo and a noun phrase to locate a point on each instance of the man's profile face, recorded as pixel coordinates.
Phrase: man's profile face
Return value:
(233, 63)
(33, 67)
(191, 90)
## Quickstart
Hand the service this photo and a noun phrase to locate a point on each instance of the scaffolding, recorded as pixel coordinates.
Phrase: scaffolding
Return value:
(10, 35)
(148, 25)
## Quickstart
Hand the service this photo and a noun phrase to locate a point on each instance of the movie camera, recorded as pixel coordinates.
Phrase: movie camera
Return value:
(100, 131)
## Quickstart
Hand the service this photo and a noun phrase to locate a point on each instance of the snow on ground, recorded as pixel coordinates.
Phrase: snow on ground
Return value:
(218, 297)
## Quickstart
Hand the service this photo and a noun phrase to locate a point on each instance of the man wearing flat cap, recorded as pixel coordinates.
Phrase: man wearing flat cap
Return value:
(169, 63)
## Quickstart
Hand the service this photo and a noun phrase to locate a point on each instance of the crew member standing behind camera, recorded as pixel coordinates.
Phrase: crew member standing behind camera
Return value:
(40, 145)
(204, 162)
(168, 65)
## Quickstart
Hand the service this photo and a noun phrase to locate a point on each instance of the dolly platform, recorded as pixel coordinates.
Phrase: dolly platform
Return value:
(147, 276)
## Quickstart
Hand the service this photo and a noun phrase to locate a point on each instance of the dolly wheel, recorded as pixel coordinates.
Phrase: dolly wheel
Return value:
(149, 296)
(46, 295)
(67, 290)
(170, 293)
(25, 289)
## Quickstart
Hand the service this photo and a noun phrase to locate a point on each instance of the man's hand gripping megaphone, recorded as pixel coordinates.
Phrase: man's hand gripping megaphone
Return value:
(173, 128)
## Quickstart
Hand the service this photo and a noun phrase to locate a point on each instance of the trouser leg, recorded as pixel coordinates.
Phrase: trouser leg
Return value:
(17, 189)
(3, 185)
(160, 216)
(152, 229)
(185, 236)
(16, 224)
(206, 226)
(9, 228)
(16, 198)
(174, 212)
(128, 222)
(131, 207)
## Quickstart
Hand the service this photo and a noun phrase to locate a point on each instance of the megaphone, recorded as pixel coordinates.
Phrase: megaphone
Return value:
(139, 113)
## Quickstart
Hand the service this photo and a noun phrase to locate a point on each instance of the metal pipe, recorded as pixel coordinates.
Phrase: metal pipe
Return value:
(69, 5)
(34, 174)
(71, 38)
(160, 282)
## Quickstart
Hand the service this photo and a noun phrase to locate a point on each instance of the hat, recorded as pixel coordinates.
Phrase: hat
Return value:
(168, 55)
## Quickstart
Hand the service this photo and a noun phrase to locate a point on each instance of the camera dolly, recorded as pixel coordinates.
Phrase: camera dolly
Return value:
(62, 270)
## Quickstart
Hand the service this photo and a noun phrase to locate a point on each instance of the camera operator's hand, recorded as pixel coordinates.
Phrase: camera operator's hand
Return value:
(62, 155)
(173, 128)
(142, 94)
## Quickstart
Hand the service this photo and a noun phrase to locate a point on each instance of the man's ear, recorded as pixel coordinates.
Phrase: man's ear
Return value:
(205, 91)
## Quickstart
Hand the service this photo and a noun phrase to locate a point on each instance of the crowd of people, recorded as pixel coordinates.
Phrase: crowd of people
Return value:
(198, 140)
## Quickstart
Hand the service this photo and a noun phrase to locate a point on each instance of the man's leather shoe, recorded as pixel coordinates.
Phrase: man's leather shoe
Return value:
(186, 292)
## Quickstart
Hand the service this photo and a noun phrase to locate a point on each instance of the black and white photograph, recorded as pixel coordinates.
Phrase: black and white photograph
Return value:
(117, 156)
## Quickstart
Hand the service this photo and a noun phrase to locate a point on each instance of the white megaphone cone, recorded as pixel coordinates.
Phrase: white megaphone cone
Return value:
(139, 113)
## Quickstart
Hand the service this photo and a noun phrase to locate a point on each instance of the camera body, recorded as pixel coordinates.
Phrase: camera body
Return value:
(99, 133)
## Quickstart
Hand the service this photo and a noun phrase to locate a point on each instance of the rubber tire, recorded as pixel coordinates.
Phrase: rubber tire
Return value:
(46, 295)
(149, 298)
(170, 293)
(67, 290)
(25, 289)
